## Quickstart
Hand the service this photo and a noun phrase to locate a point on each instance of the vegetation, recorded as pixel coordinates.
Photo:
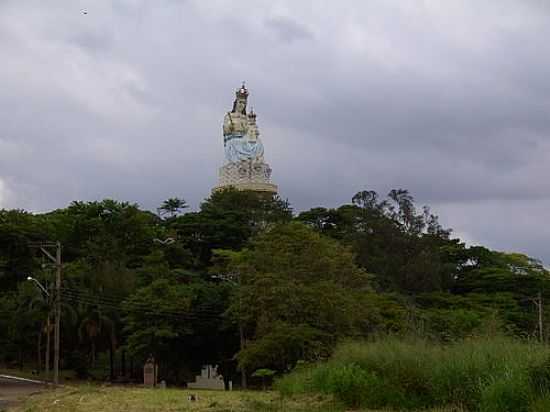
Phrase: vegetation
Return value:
(92, 398)
(496, 374)
(246, 284)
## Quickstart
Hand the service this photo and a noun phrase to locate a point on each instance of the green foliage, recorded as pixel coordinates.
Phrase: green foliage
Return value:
(510, 393)
(17, 228)
(494, 374)
(173, 206)
(408, 251)
(541, 404)
(227, 220)
(263, 373)
(299, 292)
(349, 383)
(149, 329)
(295, 286)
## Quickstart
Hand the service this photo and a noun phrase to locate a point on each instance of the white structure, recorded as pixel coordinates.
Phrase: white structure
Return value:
(208, 379)
(245, 168)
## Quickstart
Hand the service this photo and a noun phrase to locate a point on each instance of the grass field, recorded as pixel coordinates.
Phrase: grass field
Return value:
(93, 398)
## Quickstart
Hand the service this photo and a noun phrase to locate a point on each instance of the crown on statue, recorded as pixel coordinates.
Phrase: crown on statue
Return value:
(242, 93)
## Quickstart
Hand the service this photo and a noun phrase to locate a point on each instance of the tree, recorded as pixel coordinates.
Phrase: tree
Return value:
(404, 249)
(263, 373)
(227, 220)
(298, 285)
(173, 206)
(17, 229)
(299, 292)
(155, 317)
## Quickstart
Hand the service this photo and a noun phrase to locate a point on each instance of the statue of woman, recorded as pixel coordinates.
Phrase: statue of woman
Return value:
(239, 145)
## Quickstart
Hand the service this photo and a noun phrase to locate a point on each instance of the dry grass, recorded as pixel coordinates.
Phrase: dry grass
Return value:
(94, 398)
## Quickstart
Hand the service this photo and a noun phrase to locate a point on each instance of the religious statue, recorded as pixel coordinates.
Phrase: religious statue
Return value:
(244, 167)
(240, 132)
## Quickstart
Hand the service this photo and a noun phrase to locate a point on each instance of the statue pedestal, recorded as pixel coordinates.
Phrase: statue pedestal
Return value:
(246, 175)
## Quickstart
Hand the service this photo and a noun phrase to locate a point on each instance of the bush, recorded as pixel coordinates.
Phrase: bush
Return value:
(509, 394)
(539, 377)
(401, 368)
(485, 375)
(349, 383)
(297, 382)
(541, 404)
(264, 374)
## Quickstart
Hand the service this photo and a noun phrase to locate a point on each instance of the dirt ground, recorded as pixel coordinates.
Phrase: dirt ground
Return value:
(12, 392)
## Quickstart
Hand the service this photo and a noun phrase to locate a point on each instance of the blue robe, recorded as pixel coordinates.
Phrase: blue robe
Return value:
(238, 147)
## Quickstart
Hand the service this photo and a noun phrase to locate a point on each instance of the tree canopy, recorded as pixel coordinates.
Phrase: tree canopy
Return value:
(243, 282)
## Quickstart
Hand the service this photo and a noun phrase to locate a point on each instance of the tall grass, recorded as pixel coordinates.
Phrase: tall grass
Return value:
(490, 374)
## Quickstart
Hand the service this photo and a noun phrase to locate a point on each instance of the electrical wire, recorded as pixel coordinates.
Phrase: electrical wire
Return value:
(96, 299)
(127, 299)
(147, 311)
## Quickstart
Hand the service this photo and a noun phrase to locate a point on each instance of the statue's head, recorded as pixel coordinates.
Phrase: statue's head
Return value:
(241, 96)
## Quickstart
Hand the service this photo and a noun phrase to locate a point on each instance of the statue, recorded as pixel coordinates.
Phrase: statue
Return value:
(244, 167)
(240, 132)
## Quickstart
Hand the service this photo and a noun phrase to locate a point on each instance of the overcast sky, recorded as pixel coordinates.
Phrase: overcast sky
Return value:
(125, 99)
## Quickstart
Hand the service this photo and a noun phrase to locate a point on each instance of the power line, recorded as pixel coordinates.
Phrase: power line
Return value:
(95, 299)
(156, 314)
(126, 299)
(145, 310)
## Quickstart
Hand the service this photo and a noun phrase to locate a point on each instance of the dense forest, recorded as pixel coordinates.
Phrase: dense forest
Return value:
(246, 283)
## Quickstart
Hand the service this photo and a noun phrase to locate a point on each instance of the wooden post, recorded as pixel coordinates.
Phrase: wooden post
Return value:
(541, 334)
(47, 369)
(57, 340)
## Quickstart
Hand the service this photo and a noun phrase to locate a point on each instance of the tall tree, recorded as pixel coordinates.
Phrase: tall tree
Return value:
(299, 292)
(227, 219)
(173, 206)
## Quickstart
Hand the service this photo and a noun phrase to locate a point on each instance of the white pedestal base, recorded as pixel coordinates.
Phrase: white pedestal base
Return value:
(246, 175)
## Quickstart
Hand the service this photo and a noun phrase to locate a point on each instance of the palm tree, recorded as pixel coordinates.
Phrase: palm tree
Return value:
(173, 206)
(89, 331)
(40, 306)
(97, 328)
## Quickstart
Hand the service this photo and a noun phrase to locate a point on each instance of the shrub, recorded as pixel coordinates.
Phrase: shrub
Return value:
(541, 404)
(490, 374)
(348, 383)
(511, 393)
(539, 377)
(263, 374)
(401, 368)
(297, 382)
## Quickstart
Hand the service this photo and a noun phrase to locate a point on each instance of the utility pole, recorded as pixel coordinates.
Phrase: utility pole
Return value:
(243, 369)
(57, 340)
(48, 326)
(538, 302)
(56, 260)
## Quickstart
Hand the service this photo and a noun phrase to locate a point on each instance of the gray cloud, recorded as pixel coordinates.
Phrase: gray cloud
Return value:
(450, 100)
(287, 29)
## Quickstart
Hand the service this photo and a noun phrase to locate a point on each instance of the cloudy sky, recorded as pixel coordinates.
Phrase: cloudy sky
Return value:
(448, 99)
